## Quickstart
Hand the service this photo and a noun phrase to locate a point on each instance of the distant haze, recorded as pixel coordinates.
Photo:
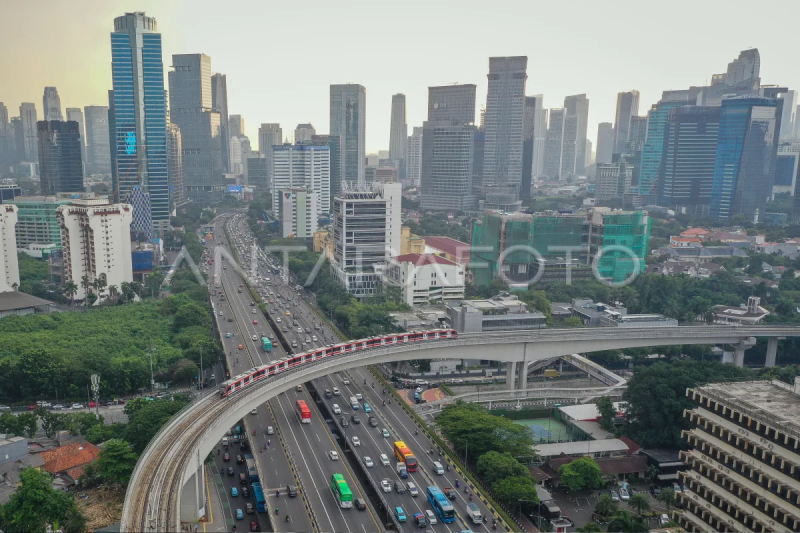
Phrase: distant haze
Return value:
(280, 57)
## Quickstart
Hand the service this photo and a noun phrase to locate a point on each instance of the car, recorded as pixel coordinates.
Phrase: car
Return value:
(314, 338)
(663, 520)
(614, 496)
(386, 486)
(234, 491)
(298, 388)
(254, 411)
(255, 337)
(245, 492)
(373, 421)
(248, 507)
(299, 330)
(241, 347)
(356, 441)
(228, 335)
(288, 313)
(243, 479)
(360, 504)
(220, 313)
(74, 406)
(343, 421)
(419, 389)
(385, 433)
(431, 517)
(367, 408)
(400, 487)
(355, 419)
(226, 457)
(241, 285)
(412, 489)
(336, 391)
(623, 494)
(336, 409)
(270, 430)
(384, 459)
(368, 462)
(400, 514)
(57, 407)
(346, 381)
(334, 455)
(278, 320)
(255, 322)
(230, 470)
(655, 490)
(271, 301)
(419, 519)
(239, 459)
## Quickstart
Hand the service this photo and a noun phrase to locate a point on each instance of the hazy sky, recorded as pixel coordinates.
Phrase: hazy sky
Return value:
(281, 57)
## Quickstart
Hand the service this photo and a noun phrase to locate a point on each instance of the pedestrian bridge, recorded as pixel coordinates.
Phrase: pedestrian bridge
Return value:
(168, 484)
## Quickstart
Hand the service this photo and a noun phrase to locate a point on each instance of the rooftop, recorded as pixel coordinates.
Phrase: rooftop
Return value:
(423, 259)
(448, 245)
(12, 300)
(581, 447)
(69, 457)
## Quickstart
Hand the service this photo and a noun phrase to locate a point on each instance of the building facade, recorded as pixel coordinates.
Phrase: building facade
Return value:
(534, 135)
(605, 143)
(554, 143)
(9, 268)
(96, 242)
(175, 162)
(305, 166)
(653, 149)
(269, 136)
(348, 111)
(304, 132)
(573, 150)
(425, 279)
(334, 145)
(37, 222)
(613, 180)
(219, 103)
(51, 104)
(297, 212)
(627, 107)
(236, 123)
(140, 114)
(75, 114)
(414, 157)
(398, 134)
(60, 167)
(27, 138)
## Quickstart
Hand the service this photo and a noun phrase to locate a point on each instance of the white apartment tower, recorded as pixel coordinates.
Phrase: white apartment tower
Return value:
(302, 165)
(298, 212)
(9, 268)
(414, 157)
(96, 242)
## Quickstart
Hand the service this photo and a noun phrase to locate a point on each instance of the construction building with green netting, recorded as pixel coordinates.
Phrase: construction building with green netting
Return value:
(546, 247)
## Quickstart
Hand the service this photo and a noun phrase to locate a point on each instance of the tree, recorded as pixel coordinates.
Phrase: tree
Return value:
(591, 527)
(474, 431)
(667, 497)
(116, 461)
(581, 473)
(86, 285)
(572, 322)
(494, 466)
(36, 505)
(607, 412)
(51, 421)
(512, 489)
(145, 423)
(606, 506)
(639, 502)
(113, 291)
(70, 288)
(625, 522)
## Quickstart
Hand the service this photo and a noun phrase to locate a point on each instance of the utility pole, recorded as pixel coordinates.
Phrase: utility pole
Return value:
(152, 379)
(202, 376)
(96, 389)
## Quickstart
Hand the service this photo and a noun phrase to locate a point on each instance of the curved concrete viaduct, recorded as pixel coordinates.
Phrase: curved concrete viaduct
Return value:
(168, 482)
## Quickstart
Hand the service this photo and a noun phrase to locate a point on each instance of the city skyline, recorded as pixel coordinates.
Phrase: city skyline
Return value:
(306, 100)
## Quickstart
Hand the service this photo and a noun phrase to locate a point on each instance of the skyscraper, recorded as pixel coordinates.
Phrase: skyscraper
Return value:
(98, 155)
(573, 150)
(505, 114)
(7, 155)
(140, 115)
(398, 134)
(74, 114)
(28, 141)
(302, 165)
(219, 103)
(304, 132)
(269, 136)
(60, 166)
(191, 109)
(348, 110)
(654, 146)
(534, 135)
(52, 104)
(175, 161)
(605, 143)
(237, 125)
(789, 114)
(414, 157)
(553, 143)
(745, 163)
(690, 150)
(627, 107)
(334, 145)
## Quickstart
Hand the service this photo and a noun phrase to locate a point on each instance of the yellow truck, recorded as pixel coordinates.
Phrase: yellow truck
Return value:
(551, 373)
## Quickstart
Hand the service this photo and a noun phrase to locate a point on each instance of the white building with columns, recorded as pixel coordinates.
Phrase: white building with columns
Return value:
(9, 268)
(425, 279)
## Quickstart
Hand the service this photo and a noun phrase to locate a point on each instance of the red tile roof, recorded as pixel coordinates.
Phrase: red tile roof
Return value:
(448, 246)
(632, 446)
(695, 231)
(423, 259)
(69, 457)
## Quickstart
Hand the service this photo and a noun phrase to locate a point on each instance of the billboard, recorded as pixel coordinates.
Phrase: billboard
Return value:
(234, 188)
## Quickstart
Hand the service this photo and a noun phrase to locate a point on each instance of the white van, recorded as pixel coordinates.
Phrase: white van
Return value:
(438, 468)
(354, 403)
(359, 397)
(431, 517)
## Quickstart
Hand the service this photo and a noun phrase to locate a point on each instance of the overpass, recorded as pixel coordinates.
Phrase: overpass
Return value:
(167, 485)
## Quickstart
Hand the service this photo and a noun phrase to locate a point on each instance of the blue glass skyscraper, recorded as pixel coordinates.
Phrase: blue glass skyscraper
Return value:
(746, 150)
(653, 149)
(139, 139)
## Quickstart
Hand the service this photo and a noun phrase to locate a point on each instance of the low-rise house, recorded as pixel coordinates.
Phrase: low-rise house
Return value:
(69, 460)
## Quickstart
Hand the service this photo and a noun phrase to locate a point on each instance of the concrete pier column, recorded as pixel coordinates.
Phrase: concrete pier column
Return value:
(739, 349)
(193, 496)
(772, 351)
(511, 374)
(522, 382)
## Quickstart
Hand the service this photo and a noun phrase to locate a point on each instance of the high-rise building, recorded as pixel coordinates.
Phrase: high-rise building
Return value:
(98, 155)
(9, 266)
(269, 135)
(637, 135)
(745, 162)
(554, 143)
(687, 167)
(348, 110)
(96, 242)
(37, 222)
(613, 179)
(257, 172)
(297, 212)
(505, 114)
(447, 145)
(366, 233)
(573, 150)
(52, 104)
(304, 132)
(790, 99)
(302, 165)
(414, 157)
(240, 151)
(236, 125)
(745, 68)
(8, 145)
(334, 145)
(741, 455)
(654, 146)
(398, 134)
(534, 136)
(60, 166)
(605, 143)
(28, 142)
(175, 160)
(219, 103)
(140, 114)
(627, 107)
(787, 167)
(190, 98)
(75, 114)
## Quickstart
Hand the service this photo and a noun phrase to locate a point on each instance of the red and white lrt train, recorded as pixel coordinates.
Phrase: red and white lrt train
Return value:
(246, 379)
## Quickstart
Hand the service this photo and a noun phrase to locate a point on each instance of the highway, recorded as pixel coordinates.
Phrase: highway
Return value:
(390, 417)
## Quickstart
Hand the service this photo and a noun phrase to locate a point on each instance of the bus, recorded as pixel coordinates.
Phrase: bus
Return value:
(341, 491)
(267, 344)
(441, 504)
(258, 496)
(252, 471)
(303, 412)
(404, 454)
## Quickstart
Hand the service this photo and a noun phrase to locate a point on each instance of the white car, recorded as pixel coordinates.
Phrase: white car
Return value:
(412, 489)
(314, 338)
(386, 485)
(299, 330)
(77, 406)
(336, 409)
(334, 455)
(356, 441)
(254, 412)
(384, 460)
(270, 430)
(663, 520)
(254, 311)
(623, 494)
(221, 313)
(255, 337)
(346, 381)
(368, 462)
(336, 391)
(277, 319)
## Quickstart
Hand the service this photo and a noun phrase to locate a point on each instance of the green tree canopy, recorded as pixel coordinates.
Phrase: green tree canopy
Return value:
(607, 412)
(470, 427)
(583, 473)
(494, 466)
(512, 489)
(591, 527)
(146, 421)
(625, 522)
(606, 506)
(116, 461)
(36, 505)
